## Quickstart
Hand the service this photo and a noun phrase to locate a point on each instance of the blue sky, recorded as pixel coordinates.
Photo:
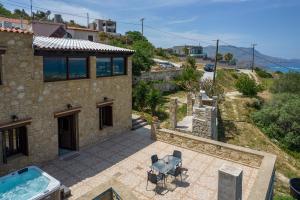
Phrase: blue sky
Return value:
(272, 24)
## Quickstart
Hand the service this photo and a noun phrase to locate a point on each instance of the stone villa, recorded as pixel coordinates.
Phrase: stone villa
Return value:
(58, 95)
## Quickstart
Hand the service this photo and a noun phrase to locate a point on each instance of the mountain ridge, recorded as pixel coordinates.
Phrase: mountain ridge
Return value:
(244, 58)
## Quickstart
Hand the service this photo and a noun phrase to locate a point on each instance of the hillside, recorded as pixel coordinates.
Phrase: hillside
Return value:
(244, 57)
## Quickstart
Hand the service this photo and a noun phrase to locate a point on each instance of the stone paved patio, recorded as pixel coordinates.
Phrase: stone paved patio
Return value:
(126, 158)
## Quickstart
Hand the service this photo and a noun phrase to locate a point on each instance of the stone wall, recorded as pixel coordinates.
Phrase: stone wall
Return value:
(205, 122)
(207, 146)
(162, 79)
(25, 94)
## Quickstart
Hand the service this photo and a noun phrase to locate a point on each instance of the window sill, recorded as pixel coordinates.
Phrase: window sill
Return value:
(105, 128)
(77, 79)
(111, 76)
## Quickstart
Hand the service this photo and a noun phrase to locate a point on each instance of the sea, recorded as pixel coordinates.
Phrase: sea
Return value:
(284, 68)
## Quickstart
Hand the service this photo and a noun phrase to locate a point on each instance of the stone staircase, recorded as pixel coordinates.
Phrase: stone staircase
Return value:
(138, 122)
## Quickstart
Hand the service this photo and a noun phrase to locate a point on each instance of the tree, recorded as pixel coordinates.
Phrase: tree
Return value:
(21, 14)
(289, 82)
(142, 58)
(135, 36)
(140, 92)
(219, 57)
(4, 12)
(247, 86)
(280, 120)
(228, 57)
(191, 62)
(153, 99)
(189, 79)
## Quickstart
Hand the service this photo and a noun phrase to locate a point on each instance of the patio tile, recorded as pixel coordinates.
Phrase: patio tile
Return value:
(126, 158)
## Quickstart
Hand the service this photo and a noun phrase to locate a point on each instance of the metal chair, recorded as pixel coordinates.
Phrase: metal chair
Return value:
(155, 179)
(177, 172)
(178, 154)
(154, 158)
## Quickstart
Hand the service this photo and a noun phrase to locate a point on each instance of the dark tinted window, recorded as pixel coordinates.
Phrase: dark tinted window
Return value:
(77, 68)
(103, 67)
(55, 68)
(119, 66)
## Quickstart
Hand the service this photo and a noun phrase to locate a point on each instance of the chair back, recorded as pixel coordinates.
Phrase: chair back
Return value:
(177, 154)
(154, 158)
(177, 171)
(152, 177)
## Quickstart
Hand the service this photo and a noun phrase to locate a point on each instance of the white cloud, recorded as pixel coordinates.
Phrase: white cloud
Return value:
(182, 21)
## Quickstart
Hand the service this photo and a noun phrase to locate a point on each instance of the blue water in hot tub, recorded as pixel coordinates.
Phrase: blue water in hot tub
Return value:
(23, 186)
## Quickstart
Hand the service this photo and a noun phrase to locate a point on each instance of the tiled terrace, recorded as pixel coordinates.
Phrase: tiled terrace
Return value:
(126, 158)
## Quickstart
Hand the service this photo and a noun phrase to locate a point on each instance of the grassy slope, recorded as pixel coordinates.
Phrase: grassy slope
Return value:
(239, 130)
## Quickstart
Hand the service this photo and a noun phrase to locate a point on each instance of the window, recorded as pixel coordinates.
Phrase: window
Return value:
(105, 116)
(55, 68)
(118, 66)
(77, 68)
(103, 67)
(90, 38)
(14, 141)
(65, 68)
(110, 66)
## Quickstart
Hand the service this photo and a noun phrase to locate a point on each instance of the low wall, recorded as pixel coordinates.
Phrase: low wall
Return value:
(162, 80)
(211, 147)
(264, 162)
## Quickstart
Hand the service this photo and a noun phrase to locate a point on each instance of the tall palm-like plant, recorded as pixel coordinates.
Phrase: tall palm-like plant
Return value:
(154, 99)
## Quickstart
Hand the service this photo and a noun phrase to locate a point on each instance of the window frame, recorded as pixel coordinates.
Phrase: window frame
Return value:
(2, 52)
(112, 67)
(87, 61)
(102, 123)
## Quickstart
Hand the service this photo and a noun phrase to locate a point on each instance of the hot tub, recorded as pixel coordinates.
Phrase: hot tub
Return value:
(30, 183)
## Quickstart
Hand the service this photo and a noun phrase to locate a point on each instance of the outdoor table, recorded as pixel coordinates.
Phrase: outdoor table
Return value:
(166, 164)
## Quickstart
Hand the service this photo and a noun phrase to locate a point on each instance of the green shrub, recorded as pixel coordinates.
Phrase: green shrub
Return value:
(280, 120)
(289, 82)
(146, 97)
(263, 73)
(247, 86)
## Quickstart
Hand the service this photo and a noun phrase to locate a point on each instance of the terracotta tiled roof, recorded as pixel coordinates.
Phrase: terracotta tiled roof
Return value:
(13, 30)
(50, 43)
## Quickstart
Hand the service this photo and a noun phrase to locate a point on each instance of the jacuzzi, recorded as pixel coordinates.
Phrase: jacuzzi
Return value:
(30, 183)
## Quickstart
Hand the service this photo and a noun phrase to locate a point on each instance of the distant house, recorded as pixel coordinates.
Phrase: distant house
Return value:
(83, 33)
(107, 26)
(49, 29)
(194, 51)
(13, 23)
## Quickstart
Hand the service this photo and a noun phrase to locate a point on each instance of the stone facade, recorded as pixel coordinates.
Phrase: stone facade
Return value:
(24, 93)
(205, 120)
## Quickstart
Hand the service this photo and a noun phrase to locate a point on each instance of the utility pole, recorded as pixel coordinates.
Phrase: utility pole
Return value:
(88, 19)
(216, 62)
(142, 20)
(253, 56)
(31, 13)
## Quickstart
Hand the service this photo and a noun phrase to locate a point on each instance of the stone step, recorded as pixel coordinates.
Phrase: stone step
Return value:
(139, 125)
(137, 121)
